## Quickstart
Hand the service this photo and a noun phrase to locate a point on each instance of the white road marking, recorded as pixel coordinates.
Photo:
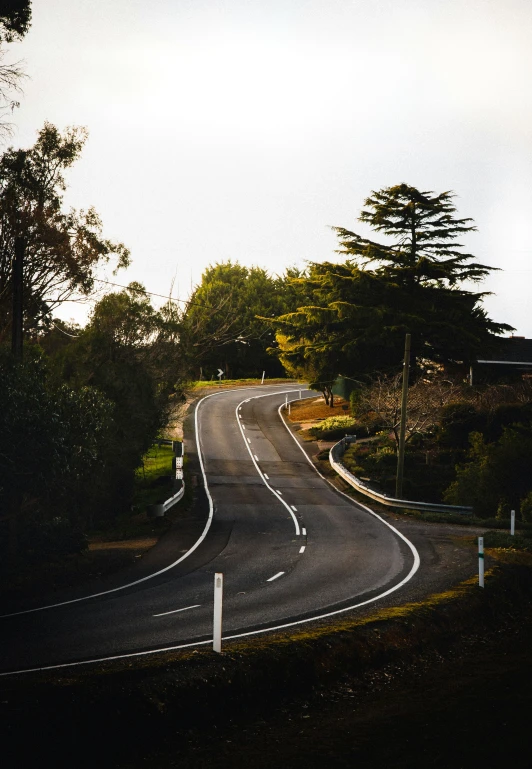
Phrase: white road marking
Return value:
(175, 611)
(263, 475)
(272, 629)
(256, 457)
(302, 549)
(294, 508)
(267, 477)
(304, 532)
(243, 426)
(275, 576)
(279, 492)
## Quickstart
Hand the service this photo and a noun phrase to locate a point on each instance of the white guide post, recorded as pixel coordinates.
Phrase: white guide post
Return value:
(286, 402)
(263, 374)
(481, 561)
(217, 624)
(512, 522)
(300, 395)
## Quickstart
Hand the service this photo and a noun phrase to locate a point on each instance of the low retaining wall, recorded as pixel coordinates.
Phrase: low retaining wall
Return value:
(337, 452)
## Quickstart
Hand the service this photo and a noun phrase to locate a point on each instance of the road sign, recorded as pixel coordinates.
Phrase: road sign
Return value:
(220, 373)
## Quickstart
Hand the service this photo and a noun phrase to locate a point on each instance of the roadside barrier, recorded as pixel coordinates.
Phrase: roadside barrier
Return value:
(158, 510)
(338, 450)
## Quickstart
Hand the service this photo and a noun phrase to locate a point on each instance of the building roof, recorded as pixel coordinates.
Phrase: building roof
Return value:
(512, 351)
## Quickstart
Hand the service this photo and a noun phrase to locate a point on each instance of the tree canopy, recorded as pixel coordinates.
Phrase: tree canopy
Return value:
(360, 310)
(225, 326)
(62, 248)
(15, 19)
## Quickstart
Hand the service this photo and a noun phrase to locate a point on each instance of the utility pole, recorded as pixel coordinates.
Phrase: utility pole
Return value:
(18, 271)
(402, 427)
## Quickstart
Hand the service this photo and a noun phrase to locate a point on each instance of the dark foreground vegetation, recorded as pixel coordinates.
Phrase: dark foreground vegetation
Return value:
(445, 681)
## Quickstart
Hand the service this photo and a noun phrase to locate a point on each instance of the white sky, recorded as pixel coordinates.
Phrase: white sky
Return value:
(243, 129)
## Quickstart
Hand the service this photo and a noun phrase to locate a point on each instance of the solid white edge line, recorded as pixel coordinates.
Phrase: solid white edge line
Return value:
(178, 647)
(417, 560)
(275, 576)
(264, 477)
(176, 611)
(179, 560)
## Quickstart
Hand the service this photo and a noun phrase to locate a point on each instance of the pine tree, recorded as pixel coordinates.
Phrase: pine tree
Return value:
(424, 228)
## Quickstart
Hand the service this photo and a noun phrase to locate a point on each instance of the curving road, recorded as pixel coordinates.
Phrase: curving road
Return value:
(291, 548)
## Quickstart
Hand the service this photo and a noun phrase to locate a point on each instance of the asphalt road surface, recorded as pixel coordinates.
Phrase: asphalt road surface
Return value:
(290, 548)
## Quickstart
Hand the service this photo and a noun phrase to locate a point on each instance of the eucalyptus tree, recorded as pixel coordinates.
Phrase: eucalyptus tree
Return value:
(62, 248)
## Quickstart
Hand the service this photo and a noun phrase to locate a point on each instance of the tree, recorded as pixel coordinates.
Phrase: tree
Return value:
(52, 441)
(127, 353)
(428, 267)
(496, 475)
(357, 312)
(426, 399)
(223, 325)
(62, 249)
(15, 19)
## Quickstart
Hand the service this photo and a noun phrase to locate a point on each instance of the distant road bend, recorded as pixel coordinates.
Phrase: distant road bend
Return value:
(291, 548)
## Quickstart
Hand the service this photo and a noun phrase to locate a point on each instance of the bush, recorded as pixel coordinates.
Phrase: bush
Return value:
(333, 428)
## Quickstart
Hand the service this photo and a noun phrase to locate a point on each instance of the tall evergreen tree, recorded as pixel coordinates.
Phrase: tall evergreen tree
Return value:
(360, 310)
(423, 229)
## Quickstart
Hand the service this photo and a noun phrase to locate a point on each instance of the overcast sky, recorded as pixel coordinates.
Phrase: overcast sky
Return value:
(244, 129)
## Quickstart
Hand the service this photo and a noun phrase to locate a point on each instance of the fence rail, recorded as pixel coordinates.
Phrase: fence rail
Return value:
(338, 450)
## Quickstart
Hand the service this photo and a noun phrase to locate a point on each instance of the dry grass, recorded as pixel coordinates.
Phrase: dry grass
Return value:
(316, 409)
(140, 543)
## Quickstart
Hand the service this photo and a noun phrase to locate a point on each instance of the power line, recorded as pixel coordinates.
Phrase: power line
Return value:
(151, 293)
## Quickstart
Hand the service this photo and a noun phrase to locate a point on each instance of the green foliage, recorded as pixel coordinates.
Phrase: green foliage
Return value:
(51, 443)
(15, 19)
(526, 507)
(128, 353)
(333, 427)
(457, 421)
(224, 325)
(62, 249)
(356, 314)
(497, 475)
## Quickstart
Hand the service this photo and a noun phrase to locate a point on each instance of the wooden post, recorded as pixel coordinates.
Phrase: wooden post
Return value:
(402, 427)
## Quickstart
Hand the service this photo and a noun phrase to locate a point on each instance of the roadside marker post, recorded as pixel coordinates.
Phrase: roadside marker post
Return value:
(512, 522)
(217, 624)
(481, 561)
(263, 374)
(300, 395)
(289, 406)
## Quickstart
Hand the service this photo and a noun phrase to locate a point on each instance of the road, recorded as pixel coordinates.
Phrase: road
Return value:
(291, 548)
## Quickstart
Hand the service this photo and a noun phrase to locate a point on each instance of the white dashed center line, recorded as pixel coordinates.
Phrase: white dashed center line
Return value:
(249, 440)
(275, 576)
(294, 508)
(302, 549)
(267, 477)
(304, 532)
(256, 457)
(279, 492)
